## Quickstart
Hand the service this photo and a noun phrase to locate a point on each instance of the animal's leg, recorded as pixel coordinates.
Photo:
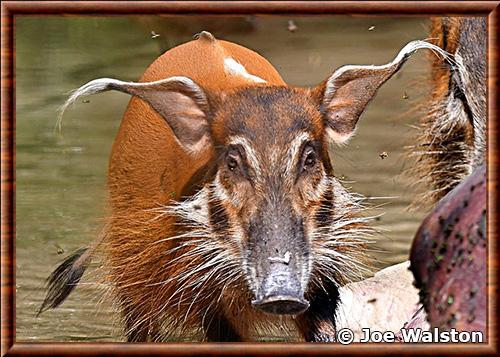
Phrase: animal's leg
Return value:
(218, 328)
(317, 323)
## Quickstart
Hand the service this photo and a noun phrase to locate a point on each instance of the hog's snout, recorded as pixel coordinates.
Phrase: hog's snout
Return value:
(282, 305)
(278, 251)
(281, 292)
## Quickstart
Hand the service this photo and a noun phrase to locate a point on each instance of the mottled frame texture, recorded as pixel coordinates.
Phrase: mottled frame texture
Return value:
(11, 9)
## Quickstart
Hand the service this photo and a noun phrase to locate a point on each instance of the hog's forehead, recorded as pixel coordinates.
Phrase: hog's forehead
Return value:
(271, 115)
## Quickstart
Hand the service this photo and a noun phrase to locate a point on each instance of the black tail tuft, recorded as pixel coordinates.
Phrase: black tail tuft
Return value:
(64, 279)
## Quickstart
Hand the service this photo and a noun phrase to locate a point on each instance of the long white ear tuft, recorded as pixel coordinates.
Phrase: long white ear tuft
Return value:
(346, 93)
(179, 100)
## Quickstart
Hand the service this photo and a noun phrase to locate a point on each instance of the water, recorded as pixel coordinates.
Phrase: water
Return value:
(61, 178)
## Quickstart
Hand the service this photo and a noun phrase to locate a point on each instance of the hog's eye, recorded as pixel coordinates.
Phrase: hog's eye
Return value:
(232, 163)
(308, 158)
(233, 160)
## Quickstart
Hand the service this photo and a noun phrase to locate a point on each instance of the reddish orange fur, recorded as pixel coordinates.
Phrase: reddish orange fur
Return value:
(148, 167)
(193, 230)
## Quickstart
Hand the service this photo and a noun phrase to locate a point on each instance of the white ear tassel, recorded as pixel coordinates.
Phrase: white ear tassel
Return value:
(401, 57)
(105, 84)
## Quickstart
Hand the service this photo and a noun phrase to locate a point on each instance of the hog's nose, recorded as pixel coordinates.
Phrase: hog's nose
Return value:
(281, 292)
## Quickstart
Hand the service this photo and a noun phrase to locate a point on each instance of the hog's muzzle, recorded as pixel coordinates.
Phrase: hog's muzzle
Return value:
(281, 292)
(278, 251)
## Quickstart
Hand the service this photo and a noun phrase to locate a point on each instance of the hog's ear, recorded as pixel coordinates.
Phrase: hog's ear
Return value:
(179, 100)
(345, 94)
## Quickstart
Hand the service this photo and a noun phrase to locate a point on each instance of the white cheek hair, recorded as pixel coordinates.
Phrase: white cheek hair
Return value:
(194, 209)
(323, 185)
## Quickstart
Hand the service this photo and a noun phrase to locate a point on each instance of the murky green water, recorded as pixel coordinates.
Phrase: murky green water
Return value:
(61, 178)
